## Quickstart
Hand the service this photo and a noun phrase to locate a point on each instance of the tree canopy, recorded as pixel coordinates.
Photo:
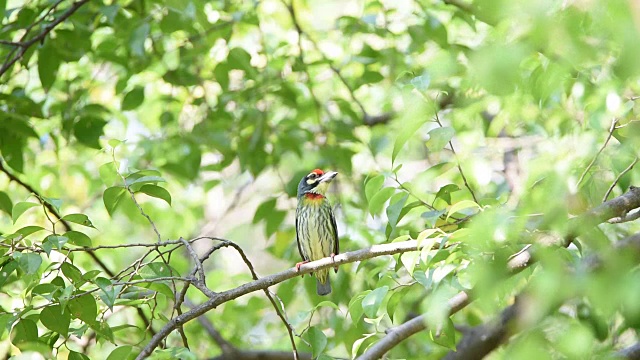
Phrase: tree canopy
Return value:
(150, 152)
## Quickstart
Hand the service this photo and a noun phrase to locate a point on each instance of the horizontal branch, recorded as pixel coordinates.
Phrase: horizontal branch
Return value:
(270, 280)
(24, 46)
(613, 208)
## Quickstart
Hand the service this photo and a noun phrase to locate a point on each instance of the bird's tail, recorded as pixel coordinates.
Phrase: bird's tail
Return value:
(323, 285)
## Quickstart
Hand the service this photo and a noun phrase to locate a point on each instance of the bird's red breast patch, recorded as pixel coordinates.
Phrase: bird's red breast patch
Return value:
(314, 196)
(318, 172)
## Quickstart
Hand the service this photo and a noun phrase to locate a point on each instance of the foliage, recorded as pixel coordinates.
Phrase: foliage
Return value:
(474, 128)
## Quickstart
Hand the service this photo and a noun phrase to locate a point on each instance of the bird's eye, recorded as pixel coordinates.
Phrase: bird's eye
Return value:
(312, 176)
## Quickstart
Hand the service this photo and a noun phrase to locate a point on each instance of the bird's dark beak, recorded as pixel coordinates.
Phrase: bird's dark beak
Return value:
(328, 176)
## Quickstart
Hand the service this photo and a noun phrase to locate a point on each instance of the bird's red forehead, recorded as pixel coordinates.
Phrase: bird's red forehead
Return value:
(318, 172)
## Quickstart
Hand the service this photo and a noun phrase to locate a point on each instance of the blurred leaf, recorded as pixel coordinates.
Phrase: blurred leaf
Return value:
(372, 186)
(439, 138)
(446, 335)
(6, 204)
(157, 192)
(396, 204)
(72, 273)
(80, 219)
(54, 319)
(155, 270)
(379, 199)
(411, 122)
(78, 238)
(133, 99)
(138, 38)
(88, 131)
(371, 303)
(464, 204)
(48, 64)
(84, 308)
(28, 262)
(121, 352)
(20, 208)
(77, 356)
(112, 196)
(7, 269)
(445, 192)
(264, 210)
(24, 331)
(317, 339)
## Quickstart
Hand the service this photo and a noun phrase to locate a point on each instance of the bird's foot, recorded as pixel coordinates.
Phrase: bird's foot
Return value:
(333, 259)
(300, 264)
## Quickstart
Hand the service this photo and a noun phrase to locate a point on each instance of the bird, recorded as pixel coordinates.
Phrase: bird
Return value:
(316, 230)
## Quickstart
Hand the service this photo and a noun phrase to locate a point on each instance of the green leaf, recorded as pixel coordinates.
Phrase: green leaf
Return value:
(143, 180)
(48, 64)
(108, 174)
(84, 308)
(133, 99)
(88, 131)
(121, 352)
(138, 38)
(78, 238)
(445, 192)
(379, 199)
(317, 339)
(155, 270)
(80, 219)
(446, 336)
(439, 138)
(411, 122)
(409, 260)
(395, 300)
(20, 208)
(56, 203)
(156, 192)
(54, 319)
(56, 241)
(371, 302)
(464, 204)
(358, 343)
(327, 303)
(372, 186)
(395, 208)
(274, 220)
(355, 308)
(108, 294)
(112, 196)
(24, 331)
(28, 230)
(7, 269)
(264, 210)
(6, 204)
(28, 262)
(77, 356)
(72, 273)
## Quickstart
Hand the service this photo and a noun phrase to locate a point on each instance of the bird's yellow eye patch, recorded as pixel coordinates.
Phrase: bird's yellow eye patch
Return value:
(311, 181)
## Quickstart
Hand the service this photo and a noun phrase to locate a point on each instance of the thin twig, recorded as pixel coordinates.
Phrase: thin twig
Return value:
(464, 178)
(615, 182)
(611, 129)
(47, 29)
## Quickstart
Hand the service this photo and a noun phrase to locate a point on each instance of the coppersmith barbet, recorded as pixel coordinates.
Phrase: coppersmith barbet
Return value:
(316, 230)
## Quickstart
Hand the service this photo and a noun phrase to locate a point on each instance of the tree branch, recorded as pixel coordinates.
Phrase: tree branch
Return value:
(483, 339)
(24, 46)
(519, 261)
(270, 280)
